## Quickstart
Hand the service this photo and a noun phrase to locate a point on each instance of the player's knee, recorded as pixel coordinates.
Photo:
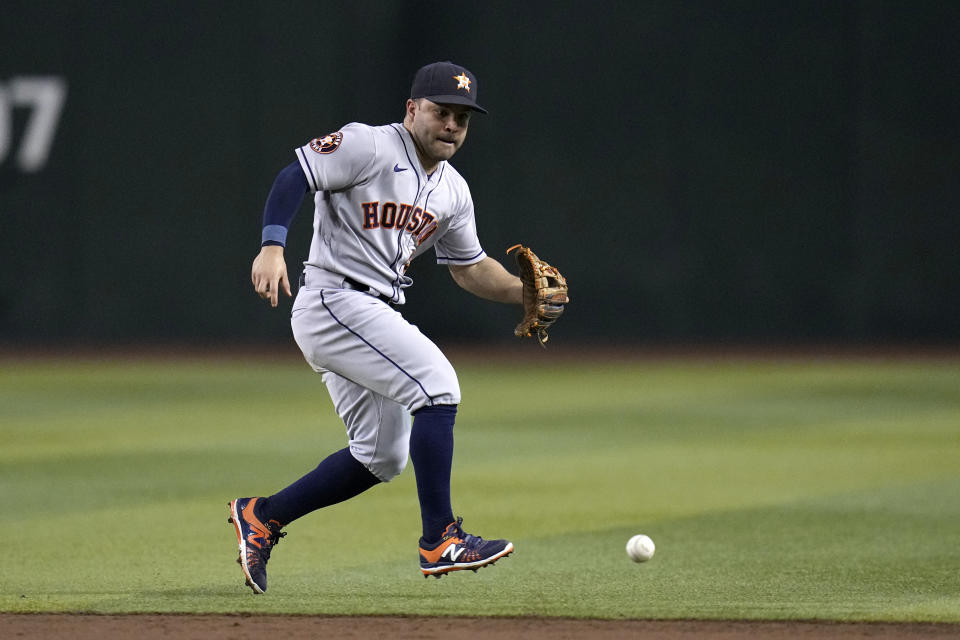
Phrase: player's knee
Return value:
(387, 465)
(386, 455)
(447, 393)
(390, 467)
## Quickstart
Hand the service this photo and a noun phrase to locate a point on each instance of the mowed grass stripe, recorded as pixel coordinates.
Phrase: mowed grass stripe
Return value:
(774, 490)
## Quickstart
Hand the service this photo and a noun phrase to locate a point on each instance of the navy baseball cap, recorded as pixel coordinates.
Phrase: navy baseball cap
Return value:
(446, 83)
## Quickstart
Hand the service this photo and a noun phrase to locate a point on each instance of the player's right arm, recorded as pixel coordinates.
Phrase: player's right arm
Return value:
(269, 271)
(330, 162)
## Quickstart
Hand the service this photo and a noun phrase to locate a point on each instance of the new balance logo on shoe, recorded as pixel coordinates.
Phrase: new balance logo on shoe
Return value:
(458, 551)
(453, 552)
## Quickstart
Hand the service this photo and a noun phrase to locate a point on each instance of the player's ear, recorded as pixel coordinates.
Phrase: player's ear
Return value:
(411, 108)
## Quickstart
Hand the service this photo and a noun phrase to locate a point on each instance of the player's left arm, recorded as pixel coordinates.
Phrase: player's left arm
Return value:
(489, 279)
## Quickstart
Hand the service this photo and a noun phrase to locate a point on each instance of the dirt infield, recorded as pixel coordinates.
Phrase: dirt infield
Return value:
(210, 627)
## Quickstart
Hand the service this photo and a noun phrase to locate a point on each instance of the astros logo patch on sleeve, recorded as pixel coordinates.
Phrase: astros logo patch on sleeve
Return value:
(328, 143)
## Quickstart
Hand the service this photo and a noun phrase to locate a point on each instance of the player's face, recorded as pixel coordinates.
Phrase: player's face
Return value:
(437, 129)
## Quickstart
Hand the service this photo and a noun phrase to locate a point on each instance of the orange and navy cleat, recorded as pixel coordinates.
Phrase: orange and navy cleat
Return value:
(256, 539)
(457, 551)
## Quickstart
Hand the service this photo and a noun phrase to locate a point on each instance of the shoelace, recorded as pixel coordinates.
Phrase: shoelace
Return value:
(469, 541)
(273, 539)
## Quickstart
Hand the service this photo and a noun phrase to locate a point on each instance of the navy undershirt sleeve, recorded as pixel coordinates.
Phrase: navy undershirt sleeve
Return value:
(282, 204)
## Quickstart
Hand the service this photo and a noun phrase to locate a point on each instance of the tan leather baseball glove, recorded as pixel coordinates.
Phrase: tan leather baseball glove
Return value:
(544, 294)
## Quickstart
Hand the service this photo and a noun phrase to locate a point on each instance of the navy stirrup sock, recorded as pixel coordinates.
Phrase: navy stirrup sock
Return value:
(339, 477)
(431, 450)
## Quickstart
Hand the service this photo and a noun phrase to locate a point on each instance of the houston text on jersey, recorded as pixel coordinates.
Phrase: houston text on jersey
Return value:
(390, 215)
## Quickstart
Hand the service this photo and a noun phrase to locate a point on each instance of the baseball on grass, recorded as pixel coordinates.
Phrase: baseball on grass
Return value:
(640, 548)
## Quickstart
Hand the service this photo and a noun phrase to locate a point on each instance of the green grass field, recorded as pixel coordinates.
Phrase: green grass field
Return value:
(774, 489)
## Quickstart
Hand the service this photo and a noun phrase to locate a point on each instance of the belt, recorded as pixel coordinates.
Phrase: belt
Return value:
(356, 286)
(350, 283)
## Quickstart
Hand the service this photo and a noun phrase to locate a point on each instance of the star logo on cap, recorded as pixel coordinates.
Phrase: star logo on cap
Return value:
(463, 80)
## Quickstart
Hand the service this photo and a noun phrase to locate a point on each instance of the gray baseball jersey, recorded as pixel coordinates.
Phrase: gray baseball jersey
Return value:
(376, 210)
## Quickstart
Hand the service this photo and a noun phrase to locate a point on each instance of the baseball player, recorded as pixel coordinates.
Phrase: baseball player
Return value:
(383, 196)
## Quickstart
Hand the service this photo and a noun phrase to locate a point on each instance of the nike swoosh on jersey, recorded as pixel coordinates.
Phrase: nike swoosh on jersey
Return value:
(398, 169)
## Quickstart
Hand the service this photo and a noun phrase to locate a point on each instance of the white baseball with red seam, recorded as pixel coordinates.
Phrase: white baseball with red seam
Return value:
(640, 548)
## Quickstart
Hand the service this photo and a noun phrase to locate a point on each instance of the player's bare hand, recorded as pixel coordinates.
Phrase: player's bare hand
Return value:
(269, 274)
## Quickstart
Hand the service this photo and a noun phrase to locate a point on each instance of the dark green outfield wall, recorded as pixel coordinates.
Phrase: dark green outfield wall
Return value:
(699, 170)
